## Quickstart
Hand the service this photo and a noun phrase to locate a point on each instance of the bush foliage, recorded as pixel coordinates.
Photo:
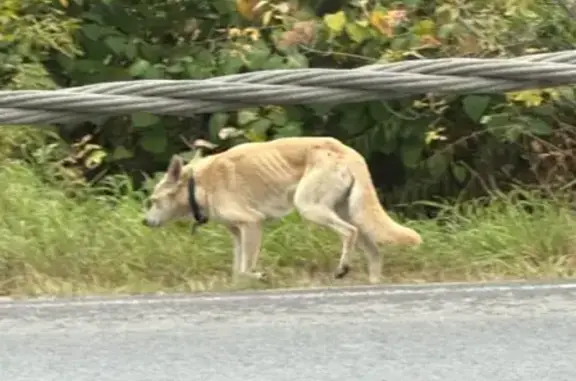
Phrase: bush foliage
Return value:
(431, 145)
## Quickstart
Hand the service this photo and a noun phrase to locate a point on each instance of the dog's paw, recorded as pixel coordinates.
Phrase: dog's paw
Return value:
(342, 271)
(262, 277)
(257, 275)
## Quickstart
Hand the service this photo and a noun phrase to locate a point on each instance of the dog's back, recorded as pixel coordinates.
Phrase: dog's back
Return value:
(259, 181)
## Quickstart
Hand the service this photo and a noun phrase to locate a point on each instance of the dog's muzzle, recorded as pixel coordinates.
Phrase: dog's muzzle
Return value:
(150, 223)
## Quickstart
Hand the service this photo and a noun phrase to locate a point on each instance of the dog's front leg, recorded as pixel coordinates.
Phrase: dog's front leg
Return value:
(250, 243)
(238, 265)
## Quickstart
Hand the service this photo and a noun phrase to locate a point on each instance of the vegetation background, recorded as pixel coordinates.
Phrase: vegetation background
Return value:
(486, 179)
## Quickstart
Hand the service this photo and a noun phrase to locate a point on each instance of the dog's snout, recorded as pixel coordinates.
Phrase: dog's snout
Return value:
(150, 222)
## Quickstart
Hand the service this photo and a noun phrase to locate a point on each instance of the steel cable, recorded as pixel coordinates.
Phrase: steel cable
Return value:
(288, 86)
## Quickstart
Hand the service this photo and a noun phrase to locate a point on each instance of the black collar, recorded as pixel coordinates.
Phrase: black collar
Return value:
(200, 218)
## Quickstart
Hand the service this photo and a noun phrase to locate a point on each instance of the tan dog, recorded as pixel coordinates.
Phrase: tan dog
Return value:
(326, 181)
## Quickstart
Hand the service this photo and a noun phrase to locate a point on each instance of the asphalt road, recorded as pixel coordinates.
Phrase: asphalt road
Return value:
(500, 332)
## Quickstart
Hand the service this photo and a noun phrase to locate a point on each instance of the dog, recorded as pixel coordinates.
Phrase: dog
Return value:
(326, 181)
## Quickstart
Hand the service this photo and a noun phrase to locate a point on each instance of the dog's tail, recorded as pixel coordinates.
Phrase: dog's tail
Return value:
(369, 216)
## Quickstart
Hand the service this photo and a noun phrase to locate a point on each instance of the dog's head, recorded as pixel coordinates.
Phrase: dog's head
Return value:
(169, 199)
(174, 195)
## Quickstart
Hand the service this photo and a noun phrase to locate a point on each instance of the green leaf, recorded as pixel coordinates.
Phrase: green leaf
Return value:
(260, 125)
(566, 93)
(139, 67)
(144, 119)
(131, 51)
(154, 140)
(153, 72)
(411, 152)
(321, 109)
(290, 129)
(92, 31)
(177, 68)
(204, 57)
(116, 44)
(475, 106)
(378, 111)
(446, 30)
(187, 155)
(536, 125)
(194, 71)
(423, 27)
(335, 21)
(247, 115)
(437, 165)
(510, 132)
(96, 17)
(254, 137)
(296, 61)
(258, 56)
(496, 120)
(257, 130)
(294, 112)
(363, 144)
(411, 3)
(95, 158)
(278, 116)
(224, 7)
(547, 110)
(274, 62)
(380, 140)
(459, 172)
(150, 52)
(229, 62)
(217, 121)
(356, 32)
(387, 138)
(121, 152)
(400, 43)
(354, 118)
(387, 146)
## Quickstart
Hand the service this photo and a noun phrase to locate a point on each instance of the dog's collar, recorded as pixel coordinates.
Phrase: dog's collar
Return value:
(200, 218)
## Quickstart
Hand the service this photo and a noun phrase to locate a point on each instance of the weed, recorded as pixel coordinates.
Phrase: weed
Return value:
(53, 244)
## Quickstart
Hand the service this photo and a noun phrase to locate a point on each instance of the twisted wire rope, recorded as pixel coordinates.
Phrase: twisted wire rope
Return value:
(288, 86)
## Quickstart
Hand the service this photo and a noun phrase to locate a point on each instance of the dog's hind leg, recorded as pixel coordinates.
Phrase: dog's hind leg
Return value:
(373, 257)
(370, 249)
(316, 197)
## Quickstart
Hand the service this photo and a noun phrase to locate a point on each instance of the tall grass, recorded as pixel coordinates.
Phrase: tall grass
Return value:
(52, 244)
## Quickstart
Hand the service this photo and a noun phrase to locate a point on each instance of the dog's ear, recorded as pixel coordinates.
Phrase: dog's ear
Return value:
(175, 168)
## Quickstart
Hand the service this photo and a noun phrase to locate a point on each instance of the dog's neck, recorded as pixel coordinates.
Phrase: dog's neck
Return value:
(195, 208)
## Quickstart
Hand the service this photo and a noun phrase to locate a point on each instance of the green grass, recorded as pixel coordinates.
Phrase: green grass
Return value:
(50, 244)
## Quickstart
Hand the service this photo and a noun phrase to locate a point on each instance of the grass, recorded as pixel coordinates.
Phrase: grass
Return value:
(50, 244)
